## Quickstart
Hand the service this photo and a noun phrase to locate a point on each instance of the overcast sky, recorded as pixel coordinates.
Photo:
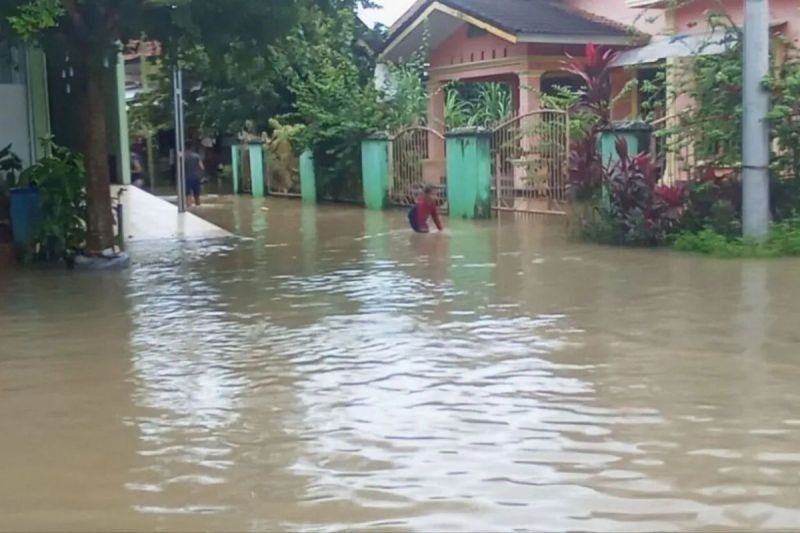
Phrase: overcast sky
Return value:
(392, 10)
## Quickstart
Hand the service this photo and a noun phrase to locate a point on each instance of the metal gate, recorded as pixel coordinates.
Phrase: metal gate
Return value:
(417, 159)
(530, 163)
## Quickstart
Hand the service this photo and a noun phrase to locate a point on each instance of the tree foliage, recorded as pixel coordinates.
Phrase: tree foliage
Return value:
(91, 30)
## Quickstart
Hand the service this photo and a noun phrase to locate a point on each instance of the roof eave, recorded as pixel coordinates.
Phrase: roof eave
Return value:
(410, 24)
(607, 40)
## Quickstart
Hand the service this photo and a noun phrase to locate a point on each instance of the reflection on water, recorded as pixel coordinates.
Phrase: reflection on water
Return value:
(329, 370)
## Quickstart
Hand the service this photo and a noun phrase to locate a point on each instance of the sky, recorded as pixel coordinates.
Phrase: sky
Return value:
(392, 10)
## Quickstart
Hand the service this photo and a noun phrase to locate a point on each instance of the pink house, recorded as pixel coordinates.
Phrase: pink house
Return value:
(523, 42)
(519, 42)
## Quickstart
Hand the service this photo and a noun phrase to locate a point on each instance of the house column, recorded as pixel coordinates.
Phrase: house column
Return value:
(436, 96)
(530, 87)
(433, 170)
(676, 72)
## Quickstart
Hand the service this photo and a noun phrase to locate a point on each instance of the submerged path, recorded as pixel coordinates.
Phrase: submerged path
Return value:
(326, 370)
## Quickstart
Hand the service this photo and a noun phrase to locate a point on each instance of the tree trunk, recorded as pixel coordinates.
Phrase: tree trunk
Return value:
(100, 223)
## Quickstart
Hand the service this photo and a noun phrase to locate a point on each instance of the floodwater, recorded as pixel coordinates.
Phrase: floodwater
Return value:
(330, 371)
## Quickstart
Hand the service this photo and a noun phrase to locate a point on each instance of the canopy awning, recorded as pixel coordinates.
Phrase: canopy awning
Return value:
(674, 46)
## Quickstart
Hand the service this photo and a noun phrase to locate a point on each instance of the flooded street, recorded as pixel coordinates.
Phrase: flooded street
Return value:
(331, 371)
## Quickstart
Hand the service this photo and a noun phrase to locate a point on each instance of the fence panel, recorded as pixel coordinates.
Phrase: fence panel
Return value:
(417, 159)
(530, 163)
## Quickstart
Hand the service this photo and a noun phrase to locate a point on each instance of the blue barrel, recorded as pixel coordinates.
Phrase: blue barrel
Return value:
(26, 215)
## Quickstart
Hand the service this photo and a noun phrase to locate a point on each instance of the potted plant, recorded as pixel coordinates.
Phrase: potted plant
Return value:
(56, 204)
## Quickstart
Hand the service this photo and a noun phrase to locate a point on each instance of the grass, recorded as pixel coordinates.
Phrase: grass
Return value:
(783, 241)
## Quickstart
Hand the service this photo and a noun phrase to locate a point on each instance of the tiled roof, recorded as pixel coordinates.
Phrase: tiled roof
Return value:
(528, 17)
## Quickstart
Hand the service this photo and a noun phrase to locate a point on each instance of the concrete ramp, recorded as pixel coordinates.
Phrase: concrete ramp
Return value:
(147, 217)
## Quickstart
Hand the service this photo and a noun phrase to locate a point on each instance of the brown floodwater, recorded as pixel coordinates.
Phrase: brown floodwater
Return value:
(327, 371)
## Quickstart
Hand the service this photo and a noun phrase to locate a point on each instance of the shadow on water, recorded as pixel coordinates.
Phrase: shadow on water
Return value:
(327, 369)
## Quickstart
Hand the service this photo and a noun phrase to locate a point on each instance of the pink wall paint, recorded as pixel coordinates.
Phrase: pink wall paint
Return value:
(692, 17)
(459, 49)
(651, 20)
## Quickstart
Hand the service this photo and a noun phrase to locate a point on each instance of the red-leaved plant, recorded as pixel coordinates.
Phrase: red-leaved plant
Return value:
(594, 71)
(643, 211)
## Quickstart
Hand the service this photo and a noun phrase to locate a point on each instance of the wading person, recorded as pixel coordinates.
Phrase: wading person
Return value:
(194, 173)
(424, 209)
(137, 168)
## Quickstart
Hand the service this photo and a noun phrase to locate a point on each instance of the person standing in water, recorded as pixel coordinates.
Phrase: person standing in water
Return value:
(424, 209)
(194, 173)
(137, 168)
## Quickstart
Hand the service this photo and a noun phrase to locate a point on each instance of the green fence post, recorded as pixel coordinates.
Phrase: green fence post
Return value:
(376, 171)
(469, 173)
(235, 153)
(308, 180)
(257, 169)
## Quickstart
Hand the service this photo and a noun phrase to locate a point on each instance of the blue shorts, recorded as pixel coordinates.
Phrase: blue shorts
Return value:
(193, 187)
(413, 220)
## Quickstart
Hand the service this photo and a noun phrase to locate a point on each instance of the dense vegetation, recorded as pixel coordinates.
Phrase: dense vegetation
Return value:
(628, 205)
(91, 31)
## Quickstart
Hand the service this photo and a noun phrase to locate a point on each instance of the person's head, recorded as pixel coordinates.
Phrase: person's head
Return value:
(429, 192)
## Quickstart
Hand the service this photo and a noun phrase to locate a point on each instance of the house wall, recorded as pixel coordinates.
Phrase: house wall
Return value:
(650, 20)
(14, 110)
(691, 18)
(460, 49)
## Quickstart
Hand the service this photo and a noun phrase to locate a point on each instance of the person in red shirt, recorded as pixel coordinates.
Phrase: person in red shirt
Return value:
(425, 208)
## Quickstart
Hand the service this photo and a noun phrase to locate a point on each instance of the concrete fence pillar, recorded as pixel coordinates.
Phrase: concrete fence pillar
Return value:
(256, 151)
(376, 170)
(308, 179)
(236, 151)
(469, 173)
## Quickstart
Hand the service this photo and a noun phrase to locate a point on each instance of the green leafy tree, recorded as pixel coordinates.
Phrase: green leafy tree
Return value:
(91, 30)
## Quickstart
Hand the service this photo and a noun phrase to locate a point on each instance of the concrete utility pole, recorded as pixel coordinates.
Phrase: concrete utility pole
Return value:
(180, 139)
(755, 137)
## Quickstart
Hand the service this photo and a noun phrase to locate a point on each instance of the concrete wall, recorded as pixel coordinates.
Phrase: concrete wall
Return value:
(460, 49)
(14, 112)
(691, 18)
(14, 125)
(650, 20)
(24, 114)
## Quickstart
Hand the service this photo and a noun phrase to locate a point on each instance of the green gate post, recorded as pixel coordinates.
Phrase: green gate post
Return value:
(469, 173)
(376, 171)
(257, 169)
(308, 180)
(636, 133)
(235, 170)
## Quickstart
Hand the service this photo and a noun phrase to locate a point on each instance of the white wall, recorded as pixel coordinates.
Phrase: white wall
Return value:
(14, 125)
(14, 117)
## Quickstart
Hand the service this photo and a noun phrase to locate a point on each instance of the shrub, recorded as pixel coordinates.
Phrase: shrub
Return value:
(714, 203)
(60, 178)
(783, 241)
(593, 105)
(644, 212)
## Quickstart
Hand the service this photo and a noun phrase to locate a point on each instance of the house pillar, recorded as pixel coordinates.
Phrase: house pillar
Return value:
(436, 96)
(433, 170)
(529, 91)
(674, 68)
(38, 101)
(118, 131)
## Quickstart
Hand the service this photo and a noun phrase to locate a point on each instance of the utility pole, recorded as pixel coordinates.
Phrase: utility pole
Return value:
(755, 137)
(180, 139)
(151, 157)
